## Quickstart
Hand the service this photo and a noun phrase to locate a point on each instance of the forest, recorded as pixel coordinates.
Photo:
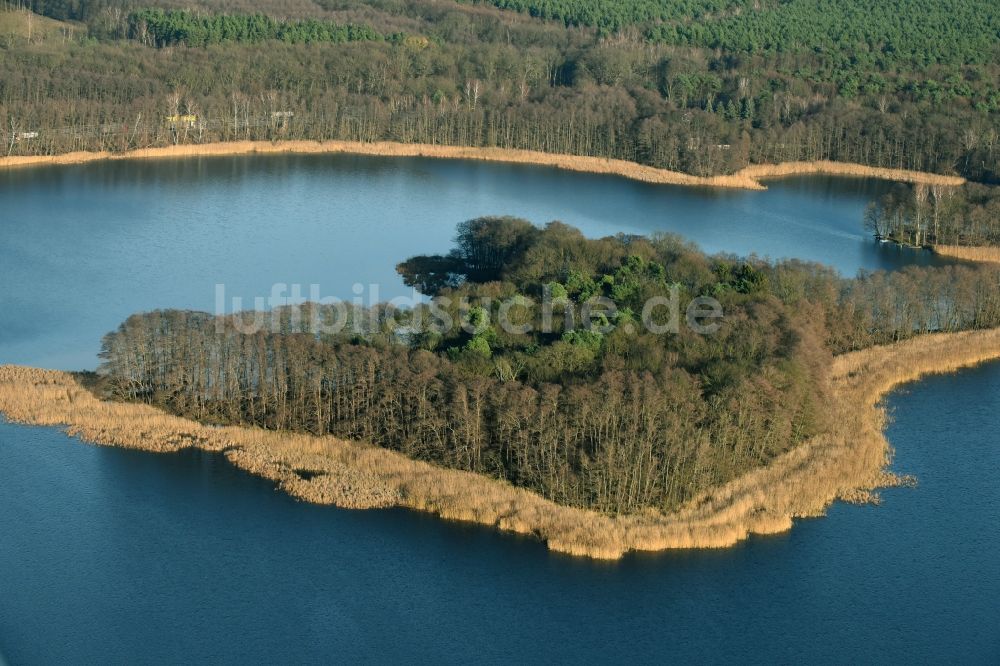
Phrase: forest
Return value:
(852, 35)
(168, 28)
(604, 411)
(907, 84)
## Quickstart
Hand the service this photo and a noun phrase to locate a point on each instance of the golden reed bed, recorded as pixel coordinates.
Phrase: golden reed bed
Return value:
(748, 178)
(989, 255)
(846, 464)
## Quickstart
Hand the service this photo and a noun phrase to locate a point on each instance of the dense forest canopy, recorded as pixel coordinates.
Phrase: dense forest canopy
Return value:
(702, 87)
(166, 28)
(623, 408)
(858, 33)
(611, 15)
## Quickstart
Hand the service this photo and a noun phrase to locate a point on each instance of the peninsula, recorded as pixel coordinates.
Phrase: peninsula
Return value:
(556, 402)
(847, 464)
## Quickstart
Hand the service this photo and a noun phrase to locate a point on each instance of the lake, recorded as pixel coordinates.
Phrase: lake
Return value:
(109, 555)
(85, 246)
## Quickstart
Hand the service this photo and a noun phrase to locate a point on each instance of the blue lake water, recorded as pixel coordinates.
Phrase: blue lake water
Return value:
(115, 556)
(119, 556)
(85, 246)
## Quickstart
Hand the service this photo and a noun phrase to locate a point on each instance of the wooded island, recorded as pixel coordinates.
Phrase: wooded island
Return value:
(619, 411)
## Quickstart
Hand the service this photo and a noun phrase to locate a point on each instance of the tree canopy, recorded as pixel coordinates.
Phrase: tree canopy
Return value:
(166, 28)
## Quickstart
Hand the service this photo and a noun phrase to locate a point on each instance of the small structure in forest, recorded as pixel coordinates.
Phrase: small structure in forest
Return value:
(177, 121)
(282, 118)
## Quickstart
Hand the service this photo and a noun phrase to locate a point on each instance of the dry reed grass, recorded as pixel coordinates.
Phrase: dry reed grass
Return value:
(759, 172)
(847, 464)
(990, 255)
(748, 178)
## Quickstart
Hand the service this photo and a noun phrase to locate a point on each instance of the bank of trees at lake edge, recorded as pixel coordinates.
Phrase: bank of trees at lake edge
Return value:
(447, 74)
(929, 215)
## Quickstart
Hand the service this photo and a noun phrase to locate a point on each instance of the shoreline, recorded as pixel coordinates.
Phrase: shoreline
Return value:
(748, 178)
(848, 463)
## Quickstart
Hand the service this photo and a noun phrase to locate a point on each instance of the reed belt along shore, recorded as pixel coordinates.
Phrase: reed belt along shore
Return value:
(748, 178)
(989, 255)
(848, 463)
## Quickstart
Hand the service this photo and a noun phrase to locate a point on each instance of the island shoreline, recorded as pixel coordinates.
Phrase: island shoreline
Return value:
(849, 463)
(748, 178)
